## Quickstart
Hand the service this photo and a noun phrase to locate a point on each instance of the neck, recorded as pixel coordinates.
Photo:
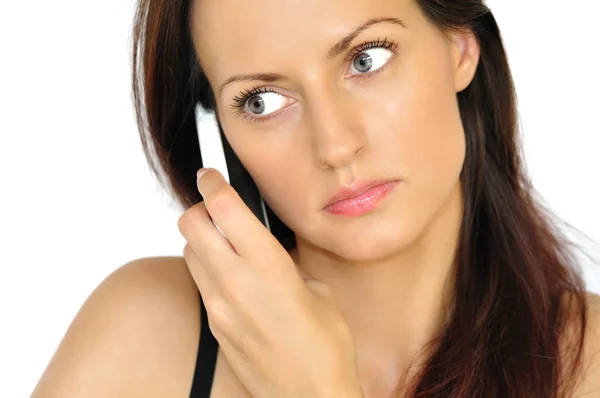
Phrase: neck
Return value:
(396, 305)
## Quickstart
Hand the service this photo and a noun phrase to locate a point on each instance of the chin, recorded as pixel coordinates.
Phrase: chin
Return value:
(374, 242)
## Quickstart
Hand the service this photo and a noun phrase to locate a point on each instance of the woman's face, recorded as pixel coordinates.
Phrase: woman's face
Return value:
(322, 118)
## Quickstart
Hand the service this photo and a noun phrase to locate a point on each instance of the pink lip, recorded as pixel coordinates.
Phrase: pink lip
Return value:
(365, 200)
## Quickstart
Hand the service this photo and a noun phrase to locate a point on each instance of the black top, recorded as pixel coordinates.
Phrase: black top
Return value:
(206, 359)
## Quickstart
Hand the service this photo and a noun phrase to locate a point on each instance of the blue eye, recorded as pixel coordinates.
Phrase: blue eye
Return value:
(264, 103)
(370, 60)
(260, 102)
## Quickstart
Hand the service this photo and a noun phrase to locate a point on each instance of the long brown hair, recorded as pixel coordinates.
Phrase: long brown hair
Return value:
(518, 291)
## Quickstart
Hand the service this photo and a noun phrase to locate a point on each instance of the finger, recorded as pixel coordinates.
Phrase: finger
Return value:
(209, 290)
(245, 232)
(221, 318)
(211, 248)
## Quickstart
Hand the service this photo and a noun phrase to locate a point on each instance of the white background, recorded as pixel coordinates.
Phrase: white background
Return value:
(77, 199)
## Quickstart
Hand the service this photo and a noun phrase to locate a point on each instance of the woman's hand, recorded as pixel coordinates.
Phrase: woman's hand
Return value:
(282, 332)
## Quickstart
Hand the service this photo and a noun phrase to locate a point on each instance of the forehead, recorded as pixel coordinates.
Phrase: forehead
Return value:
(241, 36)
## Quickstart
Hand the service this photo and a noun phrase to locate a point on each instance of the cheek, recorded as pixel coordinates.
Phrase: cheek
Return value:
(423, 133)
(279, 172)
(284, 191)
(278, 165)
(435, 148)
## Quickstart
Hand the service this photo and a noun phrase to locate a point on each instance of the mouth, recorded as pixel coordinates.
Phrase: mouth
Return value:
(360, 197)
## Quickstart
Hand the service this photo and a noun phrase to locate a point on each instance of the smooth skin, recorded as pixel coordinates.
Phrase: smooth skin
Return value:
(387, 271)
(260, 308)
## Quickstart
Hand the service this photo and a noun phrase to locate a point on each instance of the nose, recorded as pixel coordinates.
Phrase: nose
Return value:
(336, 134)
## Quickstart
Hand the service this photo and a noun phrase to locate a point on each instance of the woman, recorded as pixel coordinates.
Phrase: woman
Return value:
(417, 261)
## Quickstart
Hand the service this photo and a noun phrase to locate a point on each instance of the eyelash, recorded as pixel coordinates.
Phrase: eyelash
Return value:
(240, 100)
(388, 45)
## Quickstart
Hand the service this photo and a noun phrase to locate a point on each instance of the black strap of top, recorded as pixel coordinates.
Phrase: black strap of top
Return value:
(206, 359)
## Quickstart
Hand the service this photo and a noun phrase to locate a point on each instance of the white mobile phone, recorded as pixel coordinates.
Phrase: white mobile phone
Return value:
(218, 156)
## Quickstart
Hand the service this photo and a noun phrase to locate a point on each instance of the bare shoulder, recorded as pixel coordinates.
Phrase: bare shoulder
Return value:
(136, 336)
(588, 382)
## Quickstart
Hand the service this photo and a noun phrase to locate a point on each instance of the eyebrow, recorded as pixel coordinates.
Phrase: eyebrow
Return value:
(337, 49)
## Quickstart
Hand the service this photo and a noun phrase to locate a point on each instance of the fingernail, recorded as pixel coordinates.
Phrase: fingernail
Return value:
(201, 172)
